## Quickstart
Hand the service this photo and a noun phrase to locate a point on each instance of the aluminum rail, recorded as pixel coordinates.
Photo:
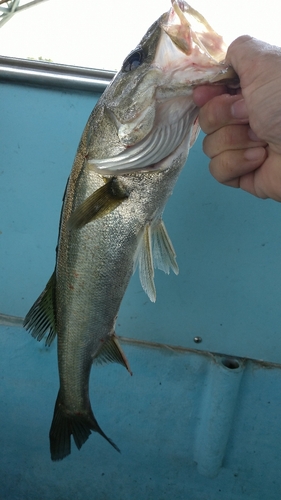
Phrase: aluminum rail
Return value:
(48, 74)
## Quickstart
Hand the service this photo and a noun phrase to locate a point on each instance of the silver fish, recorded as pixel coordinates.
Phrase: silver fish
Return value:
(130, 155)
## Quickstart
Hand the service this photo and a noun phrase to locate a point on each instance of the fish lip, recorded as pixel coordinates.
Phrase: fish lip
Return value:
(226, 76)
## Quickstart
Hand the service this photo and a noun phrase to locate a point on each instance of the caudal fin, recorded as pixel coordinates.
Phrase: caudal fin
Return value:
(64, 424)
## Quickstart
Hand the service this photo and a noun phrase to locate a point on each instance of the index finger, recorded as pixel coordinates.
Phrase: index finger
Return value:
(205, 93)
(217, 113)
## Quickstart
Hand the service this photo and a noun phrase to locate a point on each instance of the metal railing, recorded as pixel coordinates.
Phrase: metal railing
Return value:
(54, 75)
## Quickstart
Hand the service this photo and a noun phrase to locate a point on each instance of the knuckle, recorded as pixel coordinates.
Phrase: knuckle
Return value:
(216, 113)
(216, 143)
(224, 166)
(206, 145)
(208, 118)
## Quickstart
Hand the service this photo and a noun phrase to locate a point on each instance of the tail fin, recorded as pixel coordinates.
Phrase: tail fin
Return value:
(79, 425)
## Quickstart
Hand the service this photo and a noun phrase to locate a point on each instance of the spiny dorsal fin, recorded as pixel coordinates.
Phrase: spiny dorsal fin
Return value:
(103, 201)
(112, 351)
(42, 317)
(163, 251)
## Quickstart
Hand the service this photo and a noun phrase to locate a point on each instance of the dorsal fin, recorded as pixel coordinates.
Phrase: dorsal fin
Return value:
(42, 315)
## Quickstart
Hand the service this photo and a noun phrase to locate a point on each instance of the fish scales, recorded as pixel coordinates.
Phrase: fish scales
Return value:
(131, 153)
(109, 247)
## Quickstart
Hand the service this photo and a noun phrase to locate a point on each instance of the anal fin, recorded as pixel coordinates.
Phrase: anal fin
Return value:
(112, 351)
(42, 315)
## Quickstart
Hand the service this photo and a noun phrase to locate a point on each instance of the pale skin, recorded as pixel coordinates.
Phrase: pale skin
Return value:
(243, 127)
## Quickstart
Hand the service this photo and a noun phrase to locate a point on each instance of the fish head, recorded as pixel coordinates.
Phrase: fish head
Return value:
(130, 98)
(153, 89)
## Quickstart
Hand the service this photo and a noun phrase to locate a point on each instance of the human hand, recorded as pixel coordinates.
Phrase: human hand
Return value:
(244, 130)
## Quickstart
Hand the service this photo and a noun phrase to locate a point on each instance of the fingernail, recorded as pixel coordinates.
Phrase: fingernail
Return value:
(254, 154)
(239, 109)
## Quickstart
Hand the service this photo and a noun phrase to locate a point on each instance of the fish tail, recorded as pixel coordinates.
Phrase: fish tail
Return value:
(79, 425)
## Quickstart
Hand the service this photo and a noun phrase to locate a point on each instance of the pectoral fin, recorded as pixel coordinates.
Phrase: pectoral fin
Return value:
(112, 351)
(100, 203)
(41, 317)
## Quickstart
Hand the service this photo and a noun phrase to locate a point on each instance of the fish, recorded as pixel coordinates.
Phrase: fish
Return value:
(130, 155)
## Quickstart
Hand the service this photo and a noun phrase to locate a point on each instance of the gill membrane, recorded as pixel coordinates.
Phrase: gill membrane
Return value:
(159, 144)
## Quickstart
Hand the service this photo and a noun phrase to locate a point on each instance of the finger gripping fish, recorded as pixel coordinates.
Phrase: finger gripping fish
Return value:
(131, 153)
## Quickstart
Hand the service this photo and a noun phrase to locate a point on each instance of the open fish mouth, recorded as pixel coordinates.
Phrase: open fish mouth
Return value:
(198, 41)
(189, 29)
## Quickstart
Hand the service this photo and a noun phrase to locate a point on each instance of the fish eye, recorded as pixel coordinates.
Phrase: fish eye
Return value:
(133, 60)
